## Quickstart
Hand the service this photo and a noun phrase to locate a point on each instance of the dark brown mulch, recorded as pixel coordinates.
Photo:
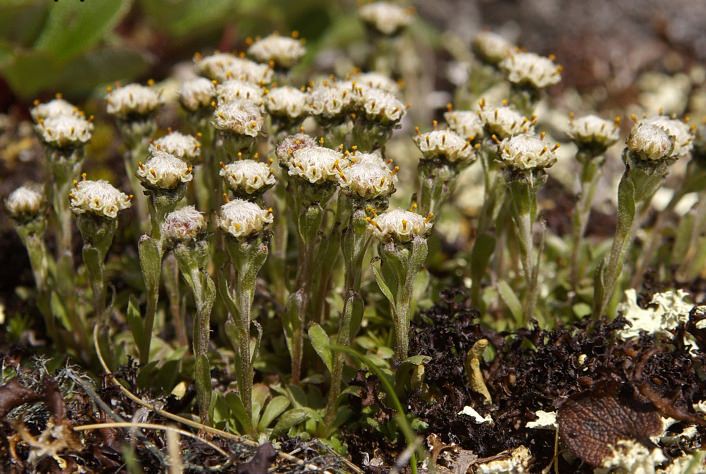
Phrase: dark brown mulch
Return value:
(539, 370)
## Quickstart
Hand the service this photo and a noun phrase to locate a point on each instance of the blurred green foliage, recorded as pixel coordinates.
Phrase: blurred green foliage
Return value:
(72, 46)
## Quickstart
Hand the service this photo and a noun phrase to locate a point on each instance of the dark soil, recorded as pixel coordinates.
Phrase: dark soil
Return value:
(540, 370)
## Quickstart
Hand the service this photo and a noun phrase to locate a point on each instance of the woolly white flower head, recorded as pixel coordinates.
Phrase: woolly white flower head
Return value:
(183, 225)
(504, 121)
(164, 171)
(224, 66)
(387, 18)
(235, 90)
(465, 123)
(247, 176)
(65, 130)
(382, 106)
(330, 99)
(184, 147)
(132, 100)
(445, 144)
(316, 164)
(292, 143)
(360, 158)
(25, 202)
(400, 225)
(491, 47)
(527, 152)
(367, 178)
(99, 198)
(283, 51)
(197, 94)
(650, 142)
(214, 66)
(53, 108)
(242, 219)
(592, 130)
(683, 136)
(531, 69)
(376, 80)
(240, 118)
(286, 101)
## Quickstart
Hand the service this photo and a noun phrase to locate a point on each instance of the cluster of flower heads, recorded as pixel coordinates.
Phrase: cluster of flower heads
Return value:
(60, 124)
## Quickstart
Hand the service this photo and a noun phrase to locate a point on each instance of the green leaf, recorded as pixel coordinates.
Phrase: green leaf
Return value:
(21, 21)
(275, 408)
(237, 409)
(383, 285)
(260, 392)
(320, 341)
(581, 309)
(134, 321)
(30, 72)
(150, 261)
(74, 27)
(202, 379)
(510, 299)
(189, 16)
(483, 249)
(289, 419)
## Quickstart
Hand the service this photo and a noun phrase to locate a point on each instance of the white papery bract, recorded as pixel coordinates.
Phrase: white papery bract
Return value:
(683, 136)
(330, 99)
(286, 101)
(592, 130)
(242, 219)
(185, 147)
(99, 198)
(504, 121)
(376, 80)
(25, 202)
(292, 143)
(445, 144)
(526, 152)
(247, 176)
(531, 69)
(240, 118)
(197, 94)
(225, 66)
(164, 171)
(53, 108)
(387, 18)
(650, 142)
(316, 164)
(183, 225)
(236, 90)
(382, 106)
(400, 225)
(368, 177)
(132, 100)
(491, 48)
(62, 131)
(283, 51)
(465, 122)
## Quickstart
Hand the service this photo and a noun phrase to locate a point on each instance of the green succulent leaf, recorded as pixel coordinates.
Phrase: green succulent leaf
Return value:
(290, 419)
(274, 409)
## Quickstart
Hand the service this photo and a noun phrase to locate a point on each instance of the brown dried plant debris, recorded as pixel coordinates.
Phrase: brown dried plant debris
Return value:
(591, 422)
(536, 370)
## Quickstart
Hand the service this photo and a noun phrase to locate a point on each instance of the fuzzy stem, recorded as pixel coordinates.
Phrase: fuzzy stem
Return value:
(590, 175)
